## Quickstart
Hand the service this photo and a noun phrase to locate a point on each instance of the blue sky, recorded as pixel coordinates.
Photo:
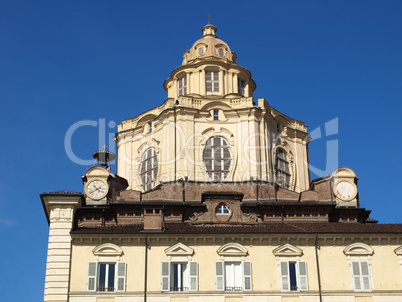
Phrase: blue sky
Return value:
(68, 61)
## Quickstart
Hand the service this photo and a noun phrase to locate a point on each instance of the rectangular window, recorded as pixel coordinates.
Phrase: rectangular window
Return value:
(106, 277)
(182, 86)
(293, 276)
(233, 276)
(212, 81)
(241, 85)
(216, 115)
(150, 127)
(361, 275)
(179, 276)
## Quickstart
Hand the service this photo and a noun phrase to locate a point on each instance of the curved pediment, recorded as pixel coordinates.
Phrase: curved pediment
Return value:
(232, 249)
(398, 251)
(107, 249)
(358, 249)
(179, 249)
(287, 250)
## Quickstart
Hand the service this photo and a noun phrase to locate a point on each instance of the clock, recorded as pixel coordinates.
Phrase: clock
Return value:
(201, 51)
(345, 190)
(96, 189)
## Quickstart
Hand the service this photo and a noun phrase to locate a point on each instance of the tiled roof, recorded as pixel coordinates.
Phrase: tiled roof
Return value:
(175, 228)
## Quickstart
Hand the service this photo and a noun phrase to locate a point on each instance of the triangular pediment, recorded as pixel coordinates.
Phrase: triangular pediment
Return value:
(179, 249)
(287, 250)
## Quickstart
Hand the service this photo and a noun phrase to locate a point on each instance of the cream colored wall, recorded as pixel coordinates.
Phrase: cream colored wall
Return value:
(238, 124)
(335, 272)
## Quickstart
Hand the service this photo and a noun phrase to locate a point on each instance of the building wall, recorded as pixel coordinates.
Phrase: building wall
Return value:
(336, 280)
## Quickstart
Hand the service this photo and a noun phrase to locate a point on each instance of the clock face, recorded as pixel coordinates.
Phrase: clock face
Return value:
(345, 190)
(96, 189)
(201, 51)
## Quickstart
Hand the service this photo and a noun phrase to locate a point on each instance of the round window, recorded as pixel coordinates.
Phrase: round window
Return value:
(201, 51)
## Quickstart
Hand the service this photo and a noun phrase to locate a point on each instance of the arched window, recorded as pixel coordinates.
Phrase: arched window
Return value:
(282, 171)
(222, 209)
(217, 158)
(149, 169)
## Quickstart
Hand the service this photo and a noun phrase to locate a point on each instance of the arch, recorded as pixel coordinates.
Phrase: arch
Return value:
(145, 119)
(232, 249)
(107, 249)
(358, 249)
(148, 169)
(217, 158)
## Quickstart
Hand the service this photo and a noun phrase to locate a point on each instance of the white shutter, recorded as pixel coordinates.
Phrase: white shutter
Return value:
(193, 276)
(284, 275)
(247, 285)
(165, 276)
(92, 274)
(220, 275)
(365, 275)
(302, 268)
(120, 282)
(356, 275)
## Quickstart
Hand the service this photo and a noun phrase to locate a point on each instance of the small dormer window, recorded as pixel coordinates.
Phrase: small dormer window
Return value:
(222, 209)
(216, 115)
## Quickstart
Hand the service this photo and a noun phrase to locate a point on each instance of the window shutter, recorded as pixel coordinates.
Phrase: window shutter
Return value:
(220, 275)
(120, 283)
(165, 276)
(356, 275)
(92, 274)
(284, 276)
(365, 275)
(302, 268)
(193, 276)
(247, 275)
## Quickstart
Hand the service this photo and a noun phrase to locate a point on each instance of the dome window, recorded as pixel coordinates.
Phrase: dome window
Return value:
(221, 52)
(212, 81)
(282, 171)
(222, 209)
(201, 51)
(241, 86)
(149, 169)
(182, 86)
(217, 158)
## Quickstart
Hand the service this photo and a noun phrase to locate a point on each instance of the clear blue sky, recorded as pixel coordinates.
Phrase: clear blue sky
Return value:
(62, 62)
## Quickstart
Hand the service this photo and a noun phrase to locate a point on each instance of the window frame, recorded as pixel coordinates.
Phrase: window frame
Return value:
(300, 275)
(241, 86)
(182, 86)
(119, 280)
(216, 115)
(359, 280)
(153, 170)
(167, 276)
(282, 169)
(220, 209)
(212, 77)
(221, 278)
(214, 172)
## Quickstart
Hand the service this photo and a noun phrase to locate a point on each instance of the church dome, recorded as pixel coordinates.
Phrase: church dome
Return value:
(209, 47)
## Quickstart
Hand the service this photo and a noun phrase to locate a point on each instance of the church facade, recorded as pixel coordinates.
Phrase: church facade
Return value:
(212, 201)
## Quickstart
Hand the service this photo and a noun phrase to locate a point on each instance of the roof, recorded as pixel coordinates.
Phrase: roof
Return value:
(263, 228)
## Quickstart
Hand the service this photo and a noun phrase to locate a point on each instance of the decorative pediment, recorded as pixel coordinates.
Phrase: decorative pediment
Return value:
(358, 249)
(107, 249)
(287, 250)
(179, 249)
(232, 249)
(398, 251)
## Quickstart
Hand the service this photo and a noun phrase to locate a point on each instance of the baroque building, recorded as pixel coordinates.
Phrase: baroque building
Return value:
(212, 201)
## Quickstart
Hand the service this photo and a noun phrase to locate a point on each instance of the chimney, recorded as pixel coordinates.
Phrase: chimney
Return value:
(152, 219)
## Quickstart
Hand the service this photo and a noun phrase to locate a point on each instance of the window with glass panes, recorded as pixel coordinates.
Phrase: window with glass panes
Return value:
(106, 277)
(282, 171)
(293, 275)
(241, 86)
(182, 86)
(212, 81)
(148, 169)
(179, 276)
(217, 158)
(222, 209)
(233, 276)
